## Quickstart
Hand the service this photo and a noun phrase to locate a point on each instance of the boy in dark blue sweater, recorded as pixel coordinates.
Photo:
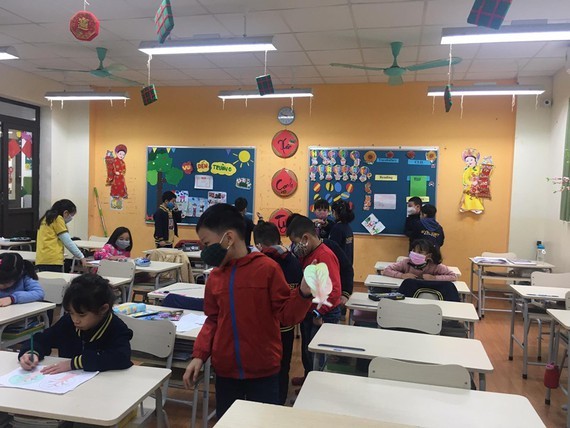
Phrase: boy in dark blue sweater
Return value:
(89, 334)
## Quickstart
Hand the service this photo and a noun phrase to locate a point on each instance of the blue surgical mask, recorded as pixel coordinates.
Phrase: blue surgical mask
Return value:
(122, 244)
(68, 219)
(170, 205)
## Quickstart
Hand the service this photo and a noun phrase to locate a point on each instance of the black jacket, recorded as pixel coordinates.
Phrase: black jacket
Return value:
(411, 224)
(346, 269)
(248, 231)
(341, 233)
(429, 229)
(105, 347)
(161, 223)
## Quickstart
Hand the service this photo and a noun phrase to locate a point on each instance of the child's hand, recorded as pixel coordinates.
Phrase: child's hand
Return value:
(5, 301)
(192, 372)
(83, 262)
(62, 366)
(428, 277)
(28, 361)
(317, 322)
(343, 300)
(409, 276)
(259, 216)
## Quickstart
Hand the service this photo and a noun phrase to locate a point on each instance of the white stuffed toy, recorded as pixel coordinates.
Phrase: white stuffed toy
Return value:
(318, 279)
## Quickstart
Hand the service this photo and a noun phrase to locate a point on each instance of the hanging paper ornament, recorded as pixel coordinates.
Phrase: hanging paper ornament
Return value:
(489, 13)
(13, 148)
(27, 149)
(279, 218)
(164, 20)
(264, 84)
(285, 144)
(149, 94)
(284, 182)
(84, 26)
(447, 98)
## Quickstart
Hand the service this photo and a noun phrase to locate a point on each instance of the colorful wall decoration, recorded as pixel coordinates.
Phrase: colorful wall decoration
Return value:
(279, 218)
(284, 183)
(285, 143)
(116, 170)
(476, 181)
(375, 180)
(200, 177)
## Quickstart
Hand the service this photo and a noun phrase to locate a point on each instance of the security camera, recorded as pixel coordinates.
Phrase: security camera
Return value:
(547, 102)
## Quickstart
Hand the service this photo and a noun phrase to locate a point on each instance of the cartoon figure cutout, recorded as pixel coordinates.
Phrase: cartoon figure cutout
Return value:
(116, 170)
(476, 181)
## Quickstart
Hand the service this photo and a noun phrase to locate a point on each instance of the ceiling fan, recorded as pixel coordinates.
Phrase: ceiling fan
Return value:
(395, 72)
(102, 71)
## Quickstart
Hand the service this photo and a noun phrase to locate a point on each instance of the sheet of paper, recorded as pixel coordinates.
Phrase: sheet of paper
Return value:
(373, 225)
(418, 185)
(60, 383)
(384, 201)
(203, 182)
(190, 322)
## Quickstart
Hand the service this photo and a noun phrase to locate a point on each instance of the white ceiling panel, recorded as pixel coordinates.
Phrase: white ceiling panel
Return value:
(190, 26)
(328, 71)
(509, 50)
(545, 64)
(11, 18)
(545, 9)
(131, 29)
(499, 65)
(351, 79)
(258, 23)
(388, 14)
(384, 55)
(344, 56)
(182, 61)
(284, 58)
(207, 73)
(381, 37)
(448, 13)
(429, 53)
(328, 40)
(291, 74)
(318, 18)
(234, 60)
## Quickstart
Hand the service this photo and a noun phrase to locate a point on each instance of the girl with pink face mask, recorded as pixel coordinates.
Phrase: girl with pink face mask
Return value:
(423, 262)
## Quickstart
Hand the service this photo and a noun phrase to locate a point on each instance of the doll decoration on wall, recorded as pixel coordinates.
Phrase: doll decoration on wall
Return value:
(116, 170)
(476, 181)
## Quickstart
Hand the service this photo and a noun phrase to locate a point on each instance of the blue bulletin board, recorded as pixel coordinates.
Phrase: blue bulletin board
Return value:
(200, 177)
(375, 180)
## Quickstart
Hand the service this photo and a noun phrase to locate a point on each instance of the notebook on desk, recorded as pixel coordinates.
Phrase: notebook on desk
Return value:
(491, 260)
(522, 262)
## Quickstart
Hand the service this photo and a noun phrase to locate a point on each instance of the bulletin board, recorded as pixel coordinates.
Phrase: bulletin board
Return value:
(200, 177)
(377, 181)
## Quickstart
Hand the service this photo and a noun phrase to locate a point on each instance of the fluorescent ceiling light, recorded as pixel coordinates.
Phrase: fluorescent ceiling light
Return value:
(279, 93)
(475, 90)
(8, 52)
(202, 46)
(512, 33)
(86, 96)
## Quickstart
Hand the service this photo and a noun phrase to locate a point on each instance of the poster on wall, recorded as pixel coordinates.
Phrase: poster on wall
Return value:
(476, 181)
(116, 170)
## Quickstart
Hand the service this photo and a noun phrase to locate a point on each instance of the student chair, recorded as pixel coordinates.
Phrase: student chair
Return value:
(122, 269)
(418, 318)
(449, 375)
(54, 289)
(98, 238)
(155, 341)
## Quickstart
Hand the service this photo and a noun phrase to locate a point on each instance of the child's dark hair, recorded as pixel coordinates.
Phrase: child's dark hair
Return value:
(118, 232)
(427, 247)
(290, 219)
(343, 211)
(58, 208)
(266, 233)
(241, 204)
(168, 196)
(299, 226)
(429, 210)
(88, 293)
(416, 200)
(13, 267)
(321, 204)
(220, 218)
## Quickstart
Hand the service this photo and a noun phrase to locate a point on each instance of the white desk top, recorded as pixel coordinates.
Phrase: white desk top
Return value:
(158, 267)
(90, 245)
(538, 265)
(383, 265)
(182, 288)
(561, 316)
(389, 282)
(115, 281)
(414, 404)
(9, 314)
(7, 243)
(185, 335)
(193, 255)
(412, 347)
(26, 255)
(91, 402)
(248, 414)
(459, 311)
(540, 293)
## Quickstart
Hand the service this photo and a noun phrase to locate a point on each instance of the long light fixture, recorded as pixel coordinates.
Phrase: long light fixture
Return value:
(8, 52)
(279, 93)
(475, 90)
(512, 33)
(86, 96)
(211, 45)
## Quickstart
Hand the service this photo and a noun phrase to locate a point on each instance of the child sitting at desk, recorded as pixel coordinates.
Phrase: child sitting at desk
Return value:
(18, 280)
(89, 334)
(424, 262)
(118, 246)
(246, 299)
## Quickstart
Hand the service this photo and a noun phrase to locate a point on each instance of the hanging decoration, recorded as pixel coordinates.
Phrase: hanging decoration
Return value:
(285, 143)
(279, 218)
(284, 183)
(148, 93)
(476, 181)
(84, 25)
(116, 170)
(164, 21)
(489, 13)
(447, 93)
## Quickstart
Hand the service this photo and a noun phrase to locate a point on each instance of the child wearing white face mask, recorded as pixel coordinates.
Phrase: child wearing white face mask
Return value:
(412, 217)
(424, 262)
(118, 246)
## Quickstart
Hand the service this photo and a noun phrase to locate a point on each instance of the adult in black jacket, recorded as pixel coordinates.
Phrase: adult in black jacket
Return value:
(166, 219)
(413, 217)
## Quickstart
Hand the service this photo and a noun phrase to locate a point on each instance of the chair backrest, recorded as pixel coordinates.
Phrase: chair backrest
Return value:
(568, 301)
(54, 289)
(400, 258)
(450, 375)
(434, 290)
(122, 269)
(545, 279)
(98, 238)
(153, 337)
(399, 315)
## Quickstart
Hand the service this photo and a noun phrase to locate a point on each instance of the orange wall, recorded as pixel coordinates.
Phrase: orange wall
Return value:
(341, 115)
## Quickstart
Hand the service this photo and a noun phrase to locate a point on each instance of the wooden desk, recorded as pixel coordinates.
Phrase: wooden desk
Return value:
(480, 270)
(379, 266)
(562, 318)
(26, 255)
(394, 283)
(457, 311)
(14, 313)
(182, 288)
(527, 293)
(92, 402)
(413, 347)
(414, 404)
(248, 414)
(6, 243)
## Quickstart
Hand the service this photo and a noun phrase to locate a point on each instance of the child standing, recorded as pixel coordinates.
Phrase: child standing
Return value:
(118, 246)
(424, 262)
(241, 205)
(267, 240)
(428, 228)
(413, 217)
(323, 222)
(166, 219)
(341, 232)
(53, 236)
(246, 298)
(18, 280)
(89, 334)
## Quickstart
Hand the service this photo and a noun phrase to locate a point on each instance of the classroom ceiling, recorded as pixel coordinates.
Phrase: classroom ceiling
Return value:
(309, 34)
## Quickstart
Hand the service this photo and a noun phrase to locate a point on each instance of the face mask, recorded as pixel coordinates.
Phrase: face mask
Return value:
(122, 243)
(170, 205)
(214, 254)
(301, 250)
(417, 259)
(68, 219)
(321, 215)
(411, 211)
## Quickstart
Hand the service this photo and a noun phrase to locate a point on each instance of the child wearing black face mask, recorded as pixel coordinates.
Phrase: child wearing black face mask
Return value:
(424, 262)
(118, 246)
(166, 219)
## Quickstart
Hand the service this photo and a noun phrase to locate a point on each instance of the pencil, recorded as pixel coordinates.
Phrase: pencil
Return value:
(32, 348)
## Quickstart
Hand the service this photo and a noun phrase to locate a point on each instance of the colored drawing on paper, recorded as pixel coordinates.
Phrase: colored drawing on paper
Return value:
(196, 207)
(243, 183)
(116, 204)
(217, 198)
(60, 383)
(384, 201)
(243, 158)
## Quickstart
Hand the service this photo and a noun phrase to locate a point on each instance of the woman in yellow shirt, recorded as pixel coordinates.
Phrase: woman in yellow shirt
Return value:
(53, 236)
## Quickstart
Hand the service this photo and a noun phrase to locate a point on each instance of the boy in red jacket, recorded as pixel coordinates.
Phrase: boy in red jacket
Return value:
(309, 248)
(246, 298)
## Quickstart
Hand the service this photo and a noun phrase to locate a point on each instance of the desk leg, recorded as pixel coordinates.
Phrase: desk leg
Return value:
(551, 354)
(480, 292)
(206, 396)
(161, 421)
(471, 330)
(349, 316)
(511, 337)
(316, 361)
(157, 281)
(482, 383)
(526, 323)
(471, 281)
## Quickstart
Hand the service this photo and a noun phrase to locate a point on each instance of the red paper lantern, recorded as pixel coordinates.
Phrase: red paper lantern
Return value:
(84, 26)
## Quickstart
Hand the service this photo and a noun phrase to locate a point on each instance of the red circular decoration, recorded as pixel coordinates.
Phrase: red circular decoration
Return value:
(285, 144)
(279, 218)
(84, 26)
(284, 182)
